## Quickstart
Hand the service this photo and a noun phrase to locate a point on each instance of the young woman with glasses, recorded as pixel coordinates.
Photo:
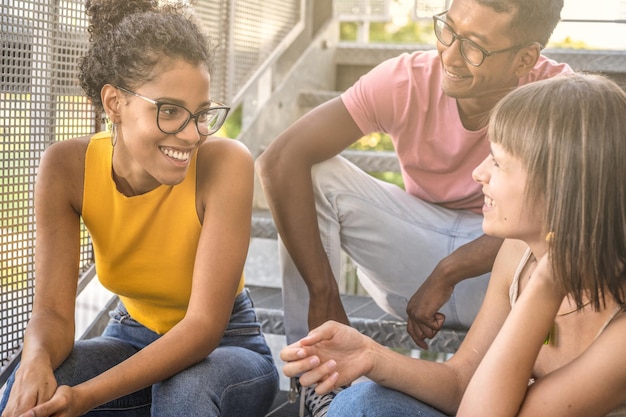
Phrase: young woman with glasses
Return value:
(549, 337)
(168, 209)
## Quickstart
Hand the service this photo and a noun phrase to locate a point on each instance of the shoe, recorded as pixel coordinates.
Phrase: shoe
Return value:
(318, 404)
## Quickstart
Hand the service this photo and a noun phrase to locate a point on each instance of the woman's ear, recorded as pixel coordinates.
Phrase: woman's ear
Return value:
(111, 102)
(528, 57)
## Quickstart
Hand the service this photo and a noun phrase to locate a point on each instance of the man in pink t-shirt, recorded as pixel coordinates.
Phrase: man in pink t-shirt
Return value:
(415, 249)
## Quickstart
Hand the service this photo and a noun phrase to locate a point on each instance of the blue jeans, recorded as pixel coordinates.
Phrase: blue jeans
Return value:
(239, 378)
(368, 399)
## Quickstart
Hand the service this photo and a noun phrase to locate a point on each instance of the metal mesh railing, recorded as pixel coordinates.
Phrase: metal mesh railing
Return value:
(41, 102)
(247, 32)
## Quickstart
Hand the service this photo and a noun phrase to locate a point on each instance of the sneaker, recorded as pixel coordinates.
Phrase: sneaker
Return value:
(318, 404)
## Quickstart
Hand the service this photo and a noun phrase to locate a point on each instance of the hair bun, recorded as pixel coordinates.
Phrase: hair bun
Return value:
(105, 15)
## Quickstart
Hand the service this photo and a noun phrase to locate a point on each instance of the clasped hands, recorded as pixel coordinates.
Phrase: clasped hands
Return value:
(330, 356)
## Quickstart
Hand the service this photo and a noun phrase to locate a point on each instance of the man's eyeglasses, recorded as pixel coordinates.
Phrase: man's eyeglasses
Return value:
(472, 53)
(172, 118)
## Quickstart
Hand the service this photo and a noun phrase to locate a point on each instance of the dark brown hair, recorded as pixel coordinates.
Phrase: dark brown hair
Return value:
(131, 39)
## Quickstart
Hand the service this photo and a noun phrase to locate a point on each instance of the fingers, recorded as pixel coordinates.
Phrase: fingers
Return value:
(421, 330)
(296, 367)
(292, 353)
(325, 376)
(418, 336)
(328, 384)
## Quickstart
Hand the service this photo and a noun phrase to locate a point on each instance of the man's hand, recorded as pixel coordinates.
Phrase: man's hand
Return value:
(470, 260)
(425, 320)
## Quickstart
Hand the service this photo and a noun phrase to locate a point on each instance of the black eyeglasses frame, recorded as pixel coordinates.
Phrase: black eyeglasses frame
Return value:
(220, 107)
(438, 18)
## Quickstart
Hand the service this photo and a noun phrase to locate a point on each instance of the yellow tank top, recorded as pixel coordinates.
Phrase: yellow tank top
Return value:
(145, 245)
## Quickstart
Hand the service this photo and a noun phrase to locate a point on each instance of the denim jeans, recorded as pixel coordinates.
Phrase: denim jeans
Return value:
(367, 399)
(239, 378)
(394, 238)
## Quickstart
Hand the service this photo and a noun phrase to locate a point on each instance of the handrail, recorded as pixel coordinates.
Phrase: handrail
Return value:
(271, 59)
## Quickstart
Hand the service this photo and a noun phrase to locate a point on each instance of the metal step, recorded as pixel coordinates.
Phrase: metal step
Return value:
(364, 315)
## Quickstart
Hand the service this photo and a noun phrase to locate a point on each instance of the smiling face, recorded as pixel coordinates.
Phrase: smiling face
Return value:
(144, 157)
(487, 28)
(507, 211)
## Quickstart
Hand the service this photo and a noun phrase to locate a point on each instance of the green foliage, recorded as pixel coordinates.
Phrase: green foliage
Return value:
(412, 32)
(232, 125)
(379, 142)
(569, 43)
(373, 142)
(348, 31)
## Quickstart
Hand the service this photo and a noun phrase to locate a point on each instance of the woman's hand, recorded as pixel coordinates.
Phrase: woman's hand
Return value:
(34, 384)
(330, 356)
(64, 403)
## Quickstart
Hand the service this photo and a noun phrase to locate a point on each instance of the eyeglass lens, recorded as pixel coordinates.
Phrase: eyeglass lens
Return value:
(172, 118)
(470, 51)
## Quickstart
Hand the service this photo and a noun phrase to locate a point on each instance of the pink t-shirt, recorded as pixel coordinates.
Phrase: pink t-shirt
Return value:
(403, 98)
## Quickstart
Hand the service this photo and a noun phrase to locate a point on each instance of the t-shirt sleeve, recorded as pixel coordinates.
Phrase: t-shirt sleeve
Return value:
(546, 68)
(373, 100)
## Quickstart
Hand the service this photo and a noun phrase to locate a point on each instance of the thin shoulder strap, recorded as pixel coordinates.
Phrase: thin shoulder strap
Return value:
(608, 321)
(514, 288)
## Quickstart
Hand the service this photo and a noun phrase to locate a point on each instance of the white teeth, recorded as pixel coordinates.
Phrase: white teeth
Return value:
(179, 156)
(451, 75)
(489, 202)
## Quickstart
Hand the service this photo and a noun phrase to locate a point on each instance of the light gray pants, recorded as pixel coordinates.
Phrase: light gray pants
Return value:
(394, 238)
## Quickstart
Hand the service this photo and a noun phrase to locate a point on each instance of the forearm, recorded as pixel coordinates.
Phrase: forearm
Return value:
(288, 188)
(437, 384)
(183, 346)
(501, 380)
(470, 260)
(48, 339)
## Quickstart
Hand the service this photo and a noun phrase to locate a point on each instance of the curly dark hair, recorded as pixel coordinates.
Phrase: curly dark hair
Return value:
(130, 38)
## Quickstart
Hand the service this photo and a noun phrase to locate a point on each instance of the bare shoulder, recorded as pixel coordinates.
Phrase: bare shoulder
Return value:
(224, 172)
(66, 154)
(223, 154)
(62, 170)
(508, 259)
(224, 166)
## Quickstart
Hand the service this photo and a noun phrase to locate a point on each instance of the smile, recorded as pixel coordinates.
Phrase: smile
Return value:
(489, 202)
(177, 155)
(455, 76)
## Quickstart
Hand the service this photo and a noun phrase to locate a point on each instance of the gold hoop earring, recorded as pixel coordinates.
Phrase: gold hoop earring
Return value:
(113, 134)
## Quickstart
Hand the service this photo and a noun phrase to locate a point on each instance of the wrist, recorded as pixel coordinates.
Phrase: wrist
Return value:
(449, 272)
(323, 288)
(377, 362)
(84, 398)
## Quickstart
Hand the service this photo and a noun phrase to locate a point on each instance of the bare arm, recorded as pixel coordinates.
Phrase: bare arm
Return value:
(470, 260)
(591, 384)
(335, 355)
(285, 172)
(225, 173)
(50, 332)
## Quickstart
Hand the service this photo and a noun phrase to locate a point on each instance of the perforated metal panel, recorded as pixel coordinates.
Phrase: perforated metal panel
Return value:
(39, 104)
(248, 32)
